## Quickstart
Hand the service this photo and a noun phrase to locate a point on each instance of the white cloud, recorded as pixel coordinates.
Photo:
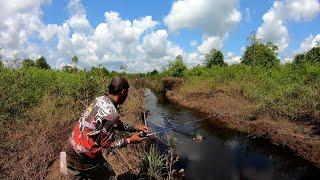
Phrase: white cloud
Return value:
(113, 42)
(302, 10)
(274, 26)
(193, 59)
(210, 43)
(78, 20)
(231, 58)
(214, 17)
(310, 42)
(156, 45)
(20, 23)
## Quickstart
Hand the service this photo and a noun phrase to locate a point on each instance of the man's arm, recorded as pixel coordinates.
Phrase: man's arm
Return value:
(107, 142)
(106, 136)
(125, 127)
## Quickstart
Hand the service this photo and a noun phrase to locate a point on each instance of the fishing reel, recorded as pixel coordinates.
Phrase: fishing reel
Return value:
(143, 134)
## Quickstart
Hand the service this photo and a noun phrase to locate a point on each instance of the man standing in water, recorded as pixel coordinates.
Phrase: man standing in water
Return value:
(95, 132)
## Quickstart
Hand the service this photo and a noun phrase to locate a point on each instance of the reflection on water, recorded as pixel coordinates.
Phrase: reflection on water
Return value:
(224, 154)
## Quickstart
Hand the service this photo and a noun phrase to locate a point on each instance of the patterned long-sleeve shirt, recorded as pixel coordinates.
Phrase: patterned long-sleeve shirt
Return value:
(95, 129)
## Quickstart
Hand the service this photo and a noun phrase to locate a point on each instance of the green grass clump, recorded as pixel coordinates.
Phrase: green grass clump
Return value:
(286, 90)
(22, 89)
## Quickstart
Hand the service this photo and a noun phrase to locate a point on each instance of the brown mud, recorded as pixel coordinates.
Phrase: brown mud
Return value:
(30, 149)
(235, 112)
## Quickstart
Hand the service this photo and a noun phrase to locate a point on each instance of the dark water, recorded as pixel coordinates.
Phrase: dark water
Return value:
(223, 154)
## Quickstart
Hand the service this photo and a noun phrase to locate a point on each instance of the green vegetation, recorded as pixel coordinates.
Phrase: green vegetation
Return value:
(22, 89)
(287, 90)
(313, 56)
(176, 68)
(152, 164)
(42, 63)
(260, 54)
(214, 58)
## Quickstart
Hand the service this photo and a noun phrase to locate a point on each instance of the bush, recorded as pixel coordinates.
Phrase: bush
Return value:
(214, 58)
(285, 90)
(299, 59)
(28, 63)
(176, 68)
(42, 63)
(21, 89)
(313, 55)
(260, 54)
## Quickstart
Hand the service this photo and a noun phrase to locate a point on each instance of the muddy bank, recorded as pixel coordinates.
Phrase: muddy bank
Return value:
(30, 149)
(235, 112)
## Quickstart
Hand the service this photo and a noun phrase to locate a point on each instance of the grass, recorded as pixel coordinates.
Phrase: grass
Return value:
(285, 90)
(22, 89)
(37, 110)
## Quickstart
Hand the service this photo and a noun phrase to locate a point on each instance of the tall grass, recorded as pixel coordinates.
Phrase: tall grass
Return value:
(22, 89)
(287, 90)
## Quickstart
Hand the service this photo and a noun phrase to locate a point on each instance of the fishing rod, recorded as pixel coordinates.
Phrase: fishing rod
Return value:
(145, 134)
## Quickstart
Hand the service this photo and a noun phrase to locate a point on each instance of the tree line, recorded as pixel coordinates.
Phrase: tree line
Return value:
(256, 54)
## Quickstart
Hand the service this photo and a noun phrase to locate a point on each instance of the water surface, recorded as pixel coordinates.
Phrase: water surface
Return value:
(224, 154)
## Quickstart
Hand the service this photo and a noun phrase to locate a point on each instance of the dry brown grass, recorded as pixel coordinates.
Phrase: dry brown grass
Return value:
(30, 147)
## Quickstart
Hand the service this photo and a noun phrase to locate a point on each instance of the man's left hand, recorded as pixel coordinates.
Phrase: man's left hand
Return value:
(141, 128)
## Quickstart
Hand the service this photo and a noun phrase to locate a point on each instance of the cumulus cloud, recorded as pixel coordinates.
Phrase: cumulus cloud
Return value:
(156, 45)
(210, 43)
(310, 42)
(214, 17)
(231, 58)
(113, 42)
(20, 25)
(274, 26)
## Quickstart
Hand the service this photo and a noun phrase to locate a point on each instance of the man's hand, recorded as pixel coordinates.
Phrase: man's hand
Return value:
(135, 138)
(141, 128)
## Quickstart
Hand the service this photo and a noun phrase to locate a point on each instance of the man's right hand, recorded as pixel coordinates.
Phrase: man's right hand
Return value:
(135, 138)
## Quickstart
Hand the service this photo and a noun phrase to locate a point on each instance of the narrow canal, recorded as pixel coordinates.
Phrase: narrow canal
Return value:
(223, 154)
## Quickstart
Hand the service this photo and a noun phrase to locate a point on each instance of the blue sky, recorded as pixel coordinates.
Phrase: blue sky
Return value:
(166, 28)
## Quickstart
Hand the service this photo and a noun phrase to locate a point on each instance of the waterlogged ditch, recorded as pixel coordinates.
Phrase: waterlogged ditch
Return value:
(223, 154)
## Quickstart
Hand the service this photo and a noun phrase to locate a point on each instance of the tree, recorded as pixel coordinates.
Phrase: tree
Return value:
(299, 59)
(260, 54)
(42, 63)
(101, 71)
(1, 64)
(176, 68)
(214, 58)
(123, 67)
(75, 60)
(68, 69)
(28, 63)
(313, 55)
(154, 72)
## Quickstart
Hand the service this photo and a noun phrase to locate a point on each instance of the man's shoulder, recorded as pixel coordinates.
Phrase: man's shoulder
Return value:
(105, 103)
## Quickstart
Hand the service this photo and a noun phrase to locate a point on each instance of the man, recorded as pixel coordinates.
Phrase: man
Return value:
(94, 132)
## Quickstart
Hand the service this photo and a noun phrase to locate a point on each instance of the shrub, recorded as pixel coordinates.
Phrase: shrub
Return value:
(299, 59)
(42, 63)
(313, 55)
(176, 68)
(28, 63)
(214, 58)
(260, 54)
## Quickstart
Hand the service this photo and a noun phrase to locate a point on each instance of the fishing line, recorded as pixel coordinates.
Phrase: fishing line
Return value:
(144, 134)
